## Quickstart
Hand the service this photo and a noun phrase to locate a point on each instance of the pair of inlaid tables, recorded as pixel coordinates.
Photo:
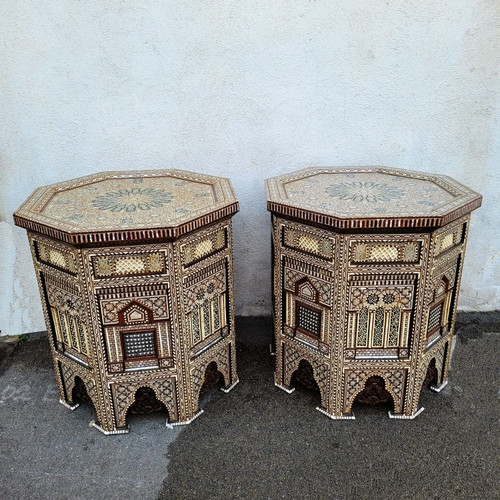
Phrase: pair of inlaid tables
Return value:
(135, 272)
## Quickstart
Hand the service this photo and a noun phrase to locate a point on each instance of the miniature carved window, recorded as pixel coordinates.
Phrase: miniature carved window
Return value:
(205, 319)
(139, 345)
(439, 312)
(308, 320)
(435, 319)
(382, 320)
(69, 330)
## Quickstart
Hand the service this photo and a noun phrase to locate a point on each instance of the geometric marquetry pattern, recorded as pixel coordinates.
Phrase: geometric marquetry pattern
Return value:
(206, 289)
(134, 313)
(307, 242)
(377, 252)
(111, 307)
(139, 345)
(435, 317)
(64, 300)
(306, 290)
(106, 266)
(382, 313)
(203, 247)
(394, 327)
(381, 296)
(309, 320)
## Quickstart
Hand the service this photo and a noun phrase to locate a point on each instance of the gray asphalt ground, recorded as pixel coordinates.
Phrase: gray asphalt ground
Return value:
(257, 441)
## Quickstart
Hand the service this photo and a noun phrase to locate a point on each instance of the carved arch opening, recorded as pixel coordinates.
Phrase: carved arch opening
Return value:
(396, 401)
(213, 376)
(374, 393)
(431, 375)
(146, 402)
(126, 396)
(222, 362)
(304, 372)
(432, 371)
(81, 394)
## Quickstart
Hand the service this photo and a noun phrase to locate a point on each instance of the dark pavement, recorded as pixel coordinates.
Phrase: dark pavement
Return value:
(257, 441)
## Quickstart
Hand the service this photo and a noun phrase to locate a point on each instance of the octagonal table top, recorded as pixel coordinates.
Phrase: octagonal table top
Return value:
(129, 205)
(369, 197)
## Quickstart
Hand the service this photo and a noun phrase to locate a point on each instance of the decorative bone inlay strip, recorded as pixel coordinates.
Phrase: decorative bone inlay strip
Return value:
(379, 252)
(308, 242)
(107, 266)
(203, 247)
(56, 256)
(449, 239)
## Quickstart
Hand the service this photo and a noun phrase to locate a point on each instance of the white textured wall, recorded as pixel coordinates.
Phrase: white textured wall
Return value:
(247, 89)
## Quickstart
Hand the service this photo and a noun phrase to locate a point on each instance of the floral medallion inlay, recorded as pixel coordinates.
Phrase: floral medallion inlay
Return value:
(130, 200)
(364, 191)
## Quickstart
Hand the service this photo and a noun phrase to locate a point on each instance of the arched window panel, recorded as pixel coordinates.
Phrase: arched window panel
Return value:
(214, 303)
(362, 337)
(208, 318)
(378, 328)
(394, 322)
(205, 319)
(195, 326)
(382, 327)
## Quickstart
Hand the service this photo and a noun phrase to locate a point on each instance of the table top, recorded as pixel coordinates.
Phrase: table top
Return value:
(129, 205)
(369, 197)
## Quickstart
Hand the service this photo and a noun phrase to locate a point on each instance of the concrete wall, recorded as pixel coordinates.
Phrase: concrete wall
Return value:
(247, 89)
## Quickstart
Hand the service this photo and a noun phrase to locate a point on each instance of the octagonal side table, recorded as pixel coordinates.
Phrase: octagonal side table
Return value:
(136, 278)
(367, 265)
